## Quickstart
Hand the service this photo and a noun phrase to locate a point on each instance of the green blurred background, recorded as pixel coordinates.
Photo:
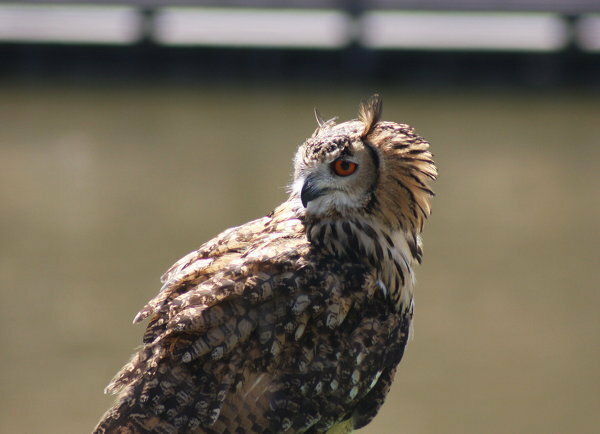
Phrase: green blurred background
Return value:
(105, 183)
(103, 188)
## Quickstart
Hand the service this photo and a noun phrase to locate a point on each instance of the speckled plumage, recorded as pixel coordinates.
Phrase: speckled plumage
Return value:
(294, 322)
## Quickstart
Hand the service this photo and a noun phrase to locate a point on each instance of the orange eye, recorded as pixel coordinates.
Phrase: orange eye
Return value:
(343, 167)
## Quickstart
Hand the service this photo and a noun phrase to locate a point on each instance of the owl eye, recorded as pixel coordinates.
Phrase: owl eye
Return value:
(343, 167)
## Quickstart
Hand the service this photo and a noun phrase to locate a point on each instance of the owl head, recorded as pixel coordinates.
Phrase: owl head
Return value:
(365, 167)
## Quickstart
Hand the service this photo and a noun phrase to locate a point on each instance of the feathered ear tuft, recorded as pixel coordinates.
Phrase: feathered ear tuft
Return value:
(369, 113)
(322, 122)
(319, 118)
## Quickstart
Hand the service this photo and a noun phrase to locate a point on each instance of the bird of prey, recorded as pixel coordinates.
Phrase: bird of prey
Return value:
(294, 322)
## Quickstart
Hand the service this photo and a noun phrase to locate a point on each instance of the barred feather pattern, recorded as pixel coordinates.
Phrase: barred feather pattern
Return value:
(294, 322)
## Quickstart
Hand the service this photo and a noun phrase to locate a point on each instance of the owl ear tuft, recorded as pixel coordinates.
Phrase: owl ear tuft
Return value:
(369, 113)
(320, 120)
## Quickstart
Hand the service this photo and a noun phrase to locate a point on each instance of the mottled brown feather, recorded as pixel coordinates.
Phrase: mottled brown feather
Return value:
(294, 322)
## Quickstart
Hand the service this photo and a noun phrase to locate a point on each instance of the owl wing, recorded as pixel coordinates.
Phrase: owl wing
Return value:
(255, 331)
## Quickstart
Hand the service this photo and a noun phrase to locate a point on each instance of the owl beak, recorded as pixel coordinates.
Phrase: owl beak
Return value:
(310, 191)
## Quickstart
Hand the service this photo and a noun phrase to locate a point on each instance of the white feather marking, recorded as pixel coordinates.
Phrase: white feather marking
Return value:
(411, 327)
(334, 200)
(360, 358)
(299, 332)
(319, 387)
(256, 382)
(375, 380)
(402, 255)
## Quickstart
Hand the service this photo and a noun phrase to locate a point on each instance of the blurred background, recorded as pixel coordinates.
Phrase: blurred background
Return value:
(133, 131)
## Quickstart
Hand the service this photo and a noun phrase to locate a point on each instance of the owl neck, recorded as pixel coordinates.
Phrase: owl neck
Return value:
(391, 252)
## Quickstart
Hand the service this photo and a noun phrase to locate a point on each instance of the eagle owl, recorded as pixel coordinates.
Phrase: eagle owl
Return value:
(294, 322)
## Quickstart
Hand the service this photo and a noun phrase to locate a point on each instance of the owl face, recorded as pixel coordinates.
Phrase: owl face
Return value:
(363, 167)
(336, 170)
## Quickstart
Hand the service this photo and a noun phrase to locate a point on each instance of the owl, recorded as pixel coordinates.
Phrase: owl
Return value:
(294, 322)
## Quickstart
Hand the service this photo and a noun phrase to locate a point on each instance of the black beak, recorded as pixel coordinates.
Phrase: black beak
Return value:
(310, 191)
